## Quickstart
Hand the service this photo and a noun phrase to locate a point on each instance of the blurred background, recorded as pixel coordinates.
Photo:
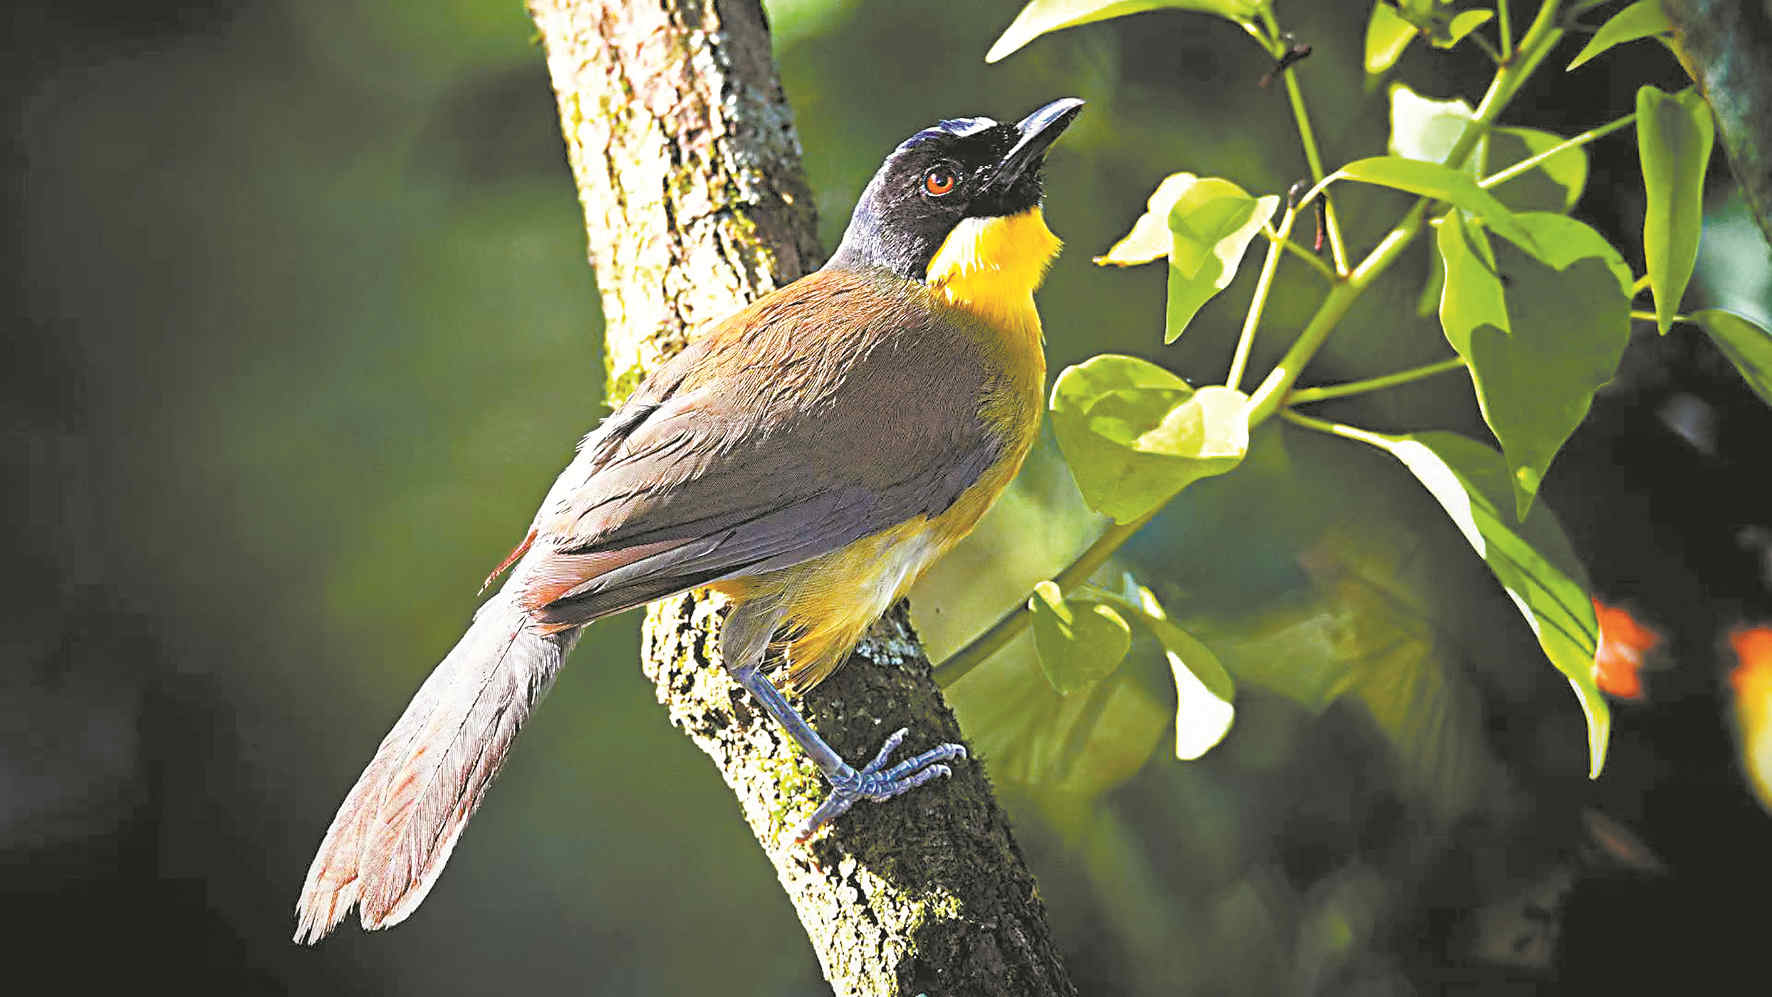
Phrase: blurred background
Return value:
(299, 329)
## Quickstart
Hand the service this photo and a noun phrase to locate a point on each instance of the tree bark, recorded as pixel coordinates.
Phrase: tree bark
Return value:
(688, 166)
(1727, 45)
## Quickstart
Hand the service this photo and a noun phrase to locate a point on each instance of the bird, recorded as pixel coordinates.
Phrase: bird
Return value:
(808, 458)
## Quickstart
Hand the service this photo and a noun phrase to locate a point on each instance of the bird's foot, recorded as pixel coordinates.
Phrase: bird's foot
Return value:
(878, 783)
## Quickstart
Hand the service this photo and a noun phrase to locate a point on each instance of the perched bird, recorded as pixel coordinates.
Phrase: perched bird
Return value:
(808, 457)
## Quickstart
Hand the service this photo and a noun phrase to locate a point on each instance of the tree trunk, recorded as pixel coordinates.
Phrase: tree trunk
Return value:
(688, 166)
(1727, 45)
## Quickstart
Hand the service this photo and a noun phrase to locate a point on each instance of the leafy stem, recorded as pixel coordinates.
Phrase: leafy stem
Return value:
(1306, 136)
(1270, 398)
(1483, 43)
(1292, 246)
(1341, 429)
(1307, 395)
(1245, 341)
(1503, 176)
(1341, 297)
(1642, 316)
(1010, 626)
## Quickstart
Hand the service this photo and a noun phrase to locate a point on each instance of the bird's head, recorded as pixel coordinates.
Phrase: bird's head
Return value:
(957, 194)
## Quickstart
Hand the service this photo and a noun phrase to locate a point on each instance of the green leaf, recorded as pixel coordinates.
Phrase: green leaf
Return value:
(1387, 35)
(1462, 23)
(1211, 225)
(1472, 295)
(1441, 183)
(1533, 561)
(1674, 136)
(1204, 691)
(1149, 238)
(1045, 16)
(1053, 745)
(1426, 129)
(1134, 434)
(1204, 226)
(1747, 346)
(1428, 301)
(1541, 333)
(1553, 185)
(1079, 642)
(1639, 20)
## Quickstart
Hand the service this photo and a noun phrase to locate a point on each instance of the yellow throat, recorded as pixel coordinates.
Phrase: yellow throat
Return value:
(991, 266)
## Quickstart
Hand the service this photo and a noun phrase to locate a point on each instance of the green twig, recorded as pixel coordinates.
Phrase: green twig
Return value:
(1341, 297)
(1246, 341)
(1483, 43)
(1641, 285)
(979, 649)
(1308, 138)
(1315, 261)
(1504, 30)
(1529, 162)
(1651, 317)
(1341, 429)
(1322, 394)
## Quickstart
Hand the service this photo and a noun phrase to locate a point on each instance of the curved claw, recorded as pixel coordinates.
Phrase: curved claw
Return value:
(877, 783)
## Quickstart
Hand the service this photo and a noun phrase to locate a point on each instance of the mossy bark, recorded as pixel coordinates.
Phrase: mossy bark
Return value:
(688, 166)
(1727, 45)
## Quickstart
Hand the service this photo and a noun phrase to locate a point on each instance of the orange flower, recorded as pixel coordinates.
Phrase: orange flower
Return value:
(1752, 680)
(1752, 676)
(1618, 665)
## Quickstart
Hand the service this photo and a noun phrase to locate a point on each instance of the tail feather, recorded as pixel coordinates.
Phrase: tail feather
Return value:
(396, 828)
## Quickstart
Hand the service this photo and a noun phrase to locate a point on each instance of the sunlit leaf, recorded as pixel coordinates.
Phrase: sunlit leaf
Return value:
(1149, 238)
(1211, 225)
(1639, 20)
(1204, 691)
(1070, 746)
(1747, 346)
(1426, 129)
(1387, 35)
(1567, 316)
(1461, 24)
(1439, 182)
(1559, 180)
(1472, 295)
(1202, 715)
(1045, 16)
(1532, 560)
(1674, 137)
(1079, 643)
(1134, 434)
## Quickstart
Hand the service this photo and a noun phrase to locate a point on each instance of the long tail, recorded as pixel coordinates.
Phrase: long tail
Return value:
(397, 827)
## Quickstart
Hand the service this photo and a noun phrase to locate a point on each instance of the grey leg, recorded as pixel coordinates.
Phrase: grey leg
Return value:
(874, 781)
(744, 639)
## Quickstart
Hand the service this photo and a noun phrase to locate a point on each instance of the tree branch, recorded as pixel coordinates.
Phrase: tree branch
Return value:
(1727, 45)
(688, 166)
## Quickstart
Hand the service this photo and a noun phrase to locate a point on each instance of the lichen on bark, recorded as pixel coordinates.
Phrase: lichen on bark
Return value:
(688, 167)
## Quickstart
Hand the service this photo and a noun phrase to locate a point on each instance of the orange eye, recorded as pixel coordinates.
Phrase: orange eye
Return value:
(938, 182)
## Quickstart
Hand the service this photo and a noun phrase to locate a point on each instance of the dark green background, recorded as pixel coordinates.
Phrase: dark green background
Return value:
(301, 330)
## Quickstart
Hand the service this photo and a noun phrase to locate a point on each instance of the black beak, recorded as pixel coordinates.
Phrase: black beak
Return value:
(1038, 131)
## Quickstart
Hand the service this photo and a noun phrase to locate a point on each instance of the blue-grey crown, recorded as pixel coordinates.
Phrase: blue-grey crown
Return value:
(957, 127)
